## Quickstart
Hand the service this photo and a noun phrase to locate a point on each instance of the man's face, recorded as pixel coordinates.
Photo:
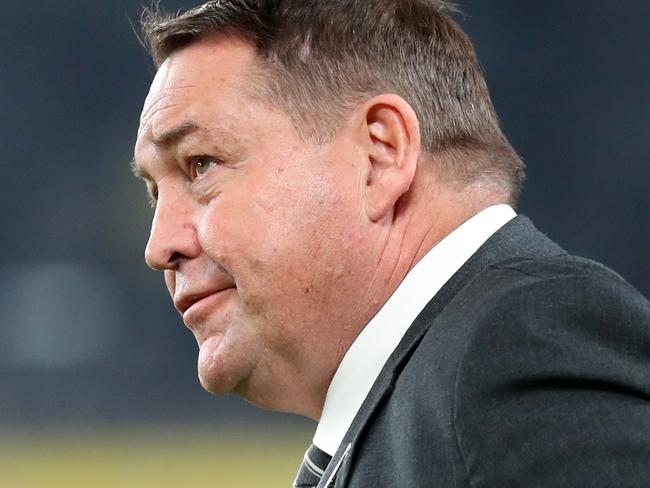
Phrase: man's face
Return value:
(258, 232)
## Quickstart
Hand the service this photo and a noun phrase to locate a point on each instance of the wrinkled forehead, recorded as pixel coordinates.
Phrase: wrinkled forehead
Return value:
(163, 94)
(197, 76)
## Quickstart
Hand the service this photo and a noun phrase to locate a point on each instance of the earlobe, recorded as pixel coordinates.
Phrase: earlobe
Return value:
(393, 141)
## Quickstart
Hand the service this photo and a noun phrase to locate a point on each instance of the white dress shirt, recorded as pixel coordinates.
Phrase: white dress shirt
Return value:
(371, 349)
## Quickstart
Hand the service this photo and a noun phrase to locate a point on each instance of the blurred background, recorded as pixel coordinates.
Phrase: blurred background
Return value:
(97, 373)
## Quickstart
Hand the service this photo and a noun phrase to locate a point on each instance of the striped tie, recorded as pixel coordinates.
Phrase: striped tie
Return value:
(312, 468)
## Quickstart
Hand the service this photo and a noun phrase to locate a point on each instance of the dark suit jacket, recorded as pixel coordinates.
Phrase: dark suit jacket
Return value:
(530, 368)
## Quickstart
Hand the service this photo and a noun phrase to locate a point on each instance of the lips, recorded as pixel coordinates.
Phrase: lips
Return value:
(185, 301)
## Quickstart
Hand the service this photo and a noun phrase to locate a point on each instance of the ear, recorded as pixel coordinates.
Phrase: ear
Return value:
(391, 136)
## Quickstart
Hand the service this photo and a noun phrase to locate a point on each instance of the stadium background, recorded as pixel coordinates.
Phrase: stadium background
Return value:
(97, 373)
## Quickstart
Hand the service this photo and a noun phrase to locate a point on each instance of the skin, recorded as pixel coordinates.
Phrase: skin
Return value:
(281, 248)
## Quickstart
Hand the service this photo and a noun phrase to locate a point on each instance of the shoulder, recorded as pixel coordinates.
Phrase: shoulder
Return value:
(577, 280)
(559, 312)
(569, 303)
(552, 374)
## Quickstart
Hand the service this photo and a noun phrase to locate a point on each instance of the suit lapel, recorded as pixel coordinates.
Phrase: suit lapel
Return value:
(516, 239)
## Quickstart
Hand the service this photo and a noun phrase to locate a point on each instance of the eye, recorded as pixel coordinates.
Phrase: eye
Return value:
(201, 165)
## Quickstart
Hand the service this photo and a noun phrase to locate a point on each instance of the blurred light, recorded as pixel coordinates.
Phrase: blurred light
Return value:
(57, 315)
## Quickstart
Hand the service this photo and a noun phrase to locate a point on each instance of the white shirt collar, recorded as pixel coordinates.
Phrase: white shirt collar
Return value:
(373, 346)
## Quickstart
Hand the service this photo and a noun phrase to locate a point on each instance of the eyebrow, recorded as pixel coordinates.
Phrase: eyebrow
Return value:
(167, 139)
(176, 134)
(137, 171)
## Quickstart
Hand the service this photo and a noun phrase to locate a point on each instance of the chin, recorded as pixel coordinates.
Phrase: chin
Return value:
(217, 382)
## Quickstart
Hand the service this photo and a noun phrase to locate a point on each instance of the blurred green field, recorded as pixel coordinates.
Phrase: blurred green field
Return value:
(143, 458)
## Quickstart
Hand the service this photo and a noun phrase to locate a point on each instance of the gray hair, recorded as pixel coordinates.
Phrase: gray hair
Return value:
(320, 58)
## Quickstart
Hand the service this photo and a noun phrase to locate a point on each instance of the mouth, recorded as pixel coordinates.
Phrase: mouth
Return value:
(195, 306)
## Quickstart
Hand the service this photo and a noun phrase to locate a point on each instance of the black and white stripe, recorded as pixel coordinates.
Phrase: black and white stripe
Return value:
(314, 464)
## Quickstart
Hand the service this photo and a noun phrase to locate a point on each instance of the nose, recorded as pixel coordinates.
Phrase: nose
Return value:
(173, 233)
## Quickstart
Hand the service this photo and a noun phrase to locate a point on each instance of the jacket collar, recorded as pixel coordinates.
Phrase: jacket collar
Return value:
(518, 239)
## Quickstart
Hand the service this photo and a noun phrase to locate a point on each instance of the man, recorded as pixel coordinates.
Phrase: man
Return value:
(333, 215)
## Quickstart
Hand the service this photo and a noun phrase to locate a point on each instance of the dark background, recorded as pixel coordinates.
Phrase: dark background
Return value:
(88, 335)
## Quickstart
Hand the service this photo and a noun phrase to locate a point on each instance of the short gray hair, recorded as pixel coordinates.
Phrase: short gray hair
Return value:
(320, 58)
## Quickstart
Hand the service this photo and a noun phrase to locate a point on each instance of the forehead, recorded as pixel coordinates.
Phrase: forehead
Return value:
(196, 83)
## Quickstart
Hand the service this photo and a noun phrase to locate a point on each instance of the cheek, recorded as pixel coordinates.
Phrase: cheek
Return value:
(234, 236)
(275, 235)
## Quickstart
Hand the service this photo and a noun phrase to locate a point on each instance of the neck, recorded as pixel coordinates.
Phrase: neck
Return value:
(419, 224)
(419, 221)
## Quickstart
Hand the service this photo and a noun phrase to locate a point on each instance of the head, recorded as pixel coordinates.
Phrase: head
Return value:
(289, 146)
